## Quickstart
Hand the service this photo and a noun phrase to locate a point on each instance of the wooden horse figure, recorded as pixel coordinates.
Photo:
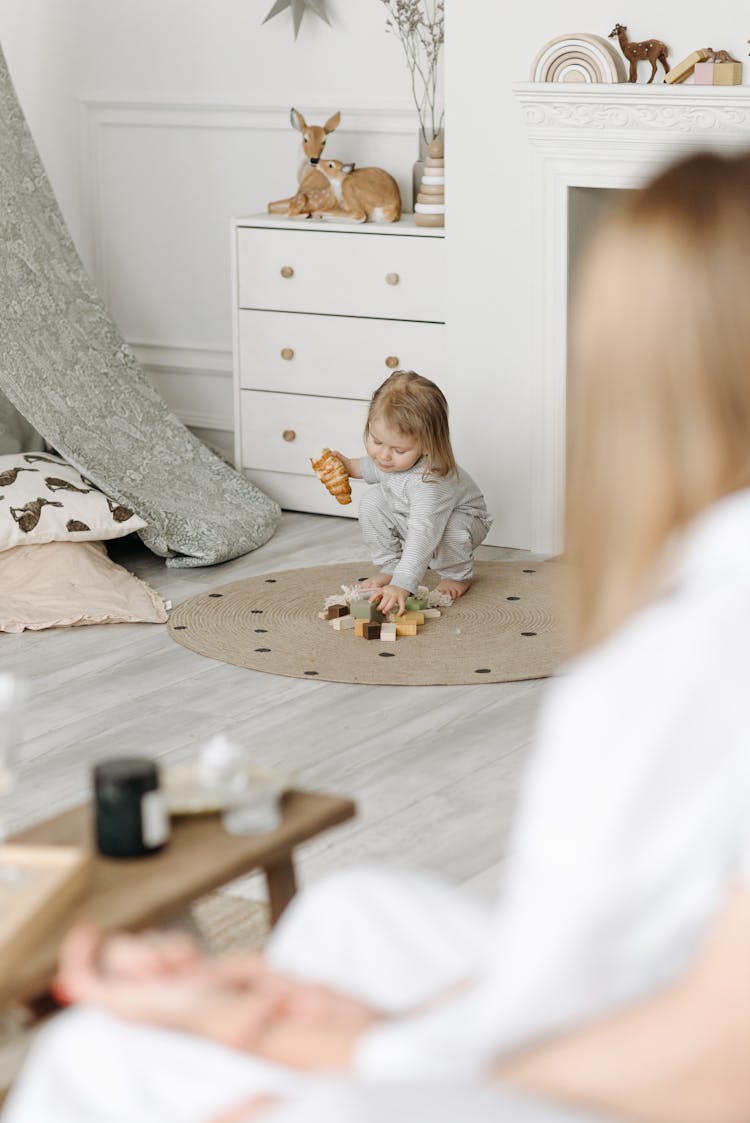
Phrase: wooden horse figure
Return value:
(652, 50)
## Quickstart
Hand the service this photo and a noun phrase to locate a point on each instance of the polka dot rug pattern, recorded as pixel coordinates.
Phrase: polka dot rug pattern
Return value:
(502, 630)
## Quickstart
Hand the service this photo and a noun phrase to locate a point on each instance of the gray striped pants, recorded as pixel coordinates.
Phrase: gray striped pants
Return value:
(384, 533)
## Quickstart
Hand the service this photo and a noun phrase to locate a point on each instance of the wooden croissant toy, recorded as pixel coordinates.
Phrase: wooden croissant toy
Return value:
(334, 475)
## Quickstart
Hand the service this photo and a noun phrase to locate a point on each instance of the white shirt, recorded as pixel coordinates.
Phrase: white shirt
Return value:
(633, 826)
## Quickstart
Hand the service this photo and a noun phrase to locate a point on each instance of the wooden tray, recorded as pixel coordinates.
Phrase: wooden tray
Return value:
(52, 879)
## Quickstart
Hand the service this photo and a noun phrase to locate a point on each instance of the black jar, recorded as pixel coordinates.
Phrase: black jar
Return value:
(131, 816)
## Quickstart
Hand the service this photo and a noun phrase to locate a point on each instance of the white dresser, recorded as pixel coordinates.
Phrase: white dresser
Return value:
(322, 313)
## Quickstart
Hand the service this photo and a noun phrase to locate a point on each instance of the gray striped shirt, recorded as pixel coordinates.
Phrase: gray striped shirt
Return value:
(422, 508)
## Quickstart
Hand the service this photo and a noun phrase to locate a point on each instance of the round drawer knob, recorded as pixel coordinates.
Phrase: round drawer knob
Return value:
(289, 435)
(287, 352)
(392, 362)
(287, 271)
(392, 278)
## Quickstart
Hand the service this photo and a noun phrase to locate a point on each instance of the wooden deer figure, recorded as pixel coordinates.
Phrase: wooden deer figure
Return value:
(653, 50)
(362, 194)
(313, 142)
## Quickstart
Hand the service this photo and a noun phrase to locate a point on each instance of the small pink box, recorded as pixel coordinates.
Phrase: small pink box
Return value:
(703, 75)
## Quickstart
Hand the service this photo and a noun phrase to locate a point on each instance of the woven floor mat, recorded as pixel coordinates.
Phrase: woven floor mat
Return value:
(502, 630)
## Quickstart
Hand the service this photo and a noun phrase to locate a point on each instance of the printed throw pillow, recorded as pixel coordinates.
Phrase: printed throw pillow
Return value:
(43, 499)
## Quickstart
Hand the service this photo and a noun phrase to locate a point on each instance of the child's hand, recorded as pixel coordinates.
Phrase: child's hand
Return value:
(350, 463)
(344, 460)
(392, 598)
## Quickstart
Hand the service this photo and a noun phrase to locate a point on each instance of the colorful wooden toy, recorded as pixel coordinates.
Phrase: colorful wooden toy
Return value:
(388, 633)
(405, 629)
(363, 610)
(684, 69)
(336, 610)
(371, 629)
(431, 613)
(342, 623)
(727, 73)
(703, 73)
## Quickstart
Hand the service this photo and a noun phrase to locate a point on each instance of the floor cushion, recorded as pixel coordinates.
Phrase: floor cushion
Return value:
(63, 584)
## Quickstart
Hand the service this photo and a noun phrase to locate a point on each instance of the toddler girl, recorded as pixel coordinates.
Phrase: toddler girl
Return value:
(422, 510)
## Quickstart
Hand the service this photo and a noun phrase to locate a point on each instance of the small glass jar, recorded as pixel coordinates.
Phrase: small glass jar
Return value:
(131, 813)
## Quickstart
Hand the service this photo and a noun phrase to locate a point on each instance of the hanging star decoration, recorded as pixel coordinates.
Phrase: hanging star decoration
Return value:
(299, 7)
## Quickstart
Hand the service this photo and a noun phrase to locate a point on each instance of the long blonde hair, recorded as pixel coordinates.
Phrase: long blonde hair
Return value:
(659, 396)
(416, 407)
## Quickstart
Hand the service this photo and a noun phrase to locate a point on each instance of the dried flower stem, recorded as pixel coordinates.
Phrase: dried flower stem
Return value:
(419, 24)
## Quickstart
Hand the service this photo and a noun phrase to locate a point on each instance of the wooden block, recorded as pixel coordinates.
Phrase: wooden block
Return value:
(363, 610)
(433, 162)
(342, 623)
(432, 189)
(431, 613)
(430, 198)
(359, 626)
(336, 610)
(429, 220)
(410, 618)
(416, 604)
(405, 629)
(703, 75)
(371, 630)
(388, 633)
(727, 73)
(323, 615)
(682, 70)
(52, 879)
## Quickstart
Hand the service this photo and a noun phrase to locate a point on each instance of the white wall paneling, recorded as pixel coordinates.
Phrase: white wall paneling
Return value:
(162, 178)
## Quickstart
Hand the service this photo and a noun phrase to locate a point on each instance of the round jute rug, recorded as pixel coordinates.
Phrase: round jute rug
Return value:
(502, 630)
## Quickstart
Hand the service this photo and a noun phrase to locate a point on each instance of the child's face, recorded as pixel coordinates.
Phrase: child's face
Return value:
(392, 451)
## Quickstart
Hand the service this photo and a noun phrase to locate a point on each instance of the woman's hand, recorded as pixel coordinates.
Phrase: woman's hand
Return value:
(391, 598)
(238, 1001)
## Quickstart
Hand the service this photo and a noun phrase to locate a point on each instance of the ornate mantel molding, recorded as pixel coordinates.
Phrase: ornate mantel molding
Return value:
(719, 115)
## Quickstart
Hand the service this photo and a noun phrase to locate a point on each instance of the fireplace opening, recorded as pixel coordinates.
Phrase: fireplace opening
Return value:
(587, 208)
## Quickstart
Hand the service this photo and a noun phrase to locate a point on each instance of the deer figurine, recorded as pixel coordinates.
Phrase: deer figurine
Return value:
(308, 177)
(361, 194)
(653, 50)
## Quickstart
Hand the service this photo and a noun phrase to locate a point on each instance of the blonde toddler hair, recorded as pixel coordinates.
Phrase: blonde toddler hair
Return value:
(416, 407)
(659, 395)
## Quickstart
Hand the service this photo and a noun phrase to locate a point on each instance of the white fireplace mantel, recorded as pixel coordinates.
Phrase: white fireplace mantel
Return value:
(684, 116)
(602, 136)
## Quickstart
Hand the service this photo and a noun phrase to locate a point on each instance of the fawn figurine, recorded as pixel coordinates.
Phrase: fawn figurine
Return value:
(361, 194)
(652, 50)
(309, 178)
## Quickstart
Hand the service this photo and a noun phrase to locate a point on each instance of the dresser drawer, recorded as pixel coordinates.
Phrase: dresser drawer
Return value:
(359, 274)
(311, 423)
(334, 355)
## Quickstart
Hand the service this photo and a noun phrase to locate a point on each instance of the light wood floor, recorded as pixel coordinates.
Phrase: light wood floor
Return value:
(434, 769)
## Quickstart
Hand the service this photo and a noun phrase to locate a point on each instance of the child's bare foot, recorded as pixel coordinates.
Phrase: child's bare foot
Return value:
(379, 581)
(453, 588)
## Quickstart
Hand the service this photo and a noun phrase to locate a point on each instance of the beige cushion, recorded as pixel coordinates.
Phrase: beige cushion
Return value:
(60, 584)
(43, 499)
